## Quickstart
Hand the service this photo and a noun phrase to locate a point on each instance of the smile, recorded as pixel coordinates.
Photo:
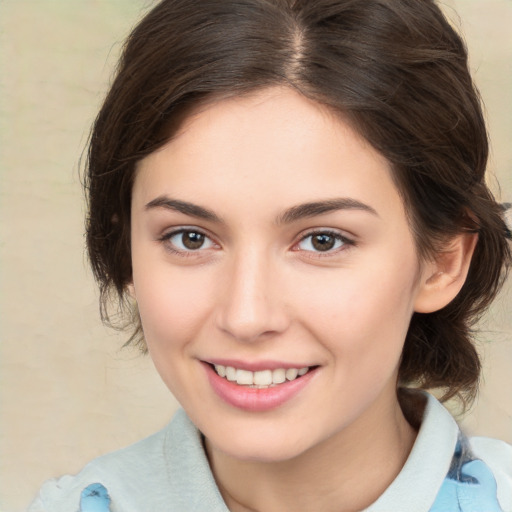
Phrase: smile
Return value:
(260, 390)
(261, 379)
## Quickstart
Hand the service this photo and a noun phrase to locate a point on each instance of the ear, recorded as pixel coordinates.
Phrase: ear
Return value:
(443, 278)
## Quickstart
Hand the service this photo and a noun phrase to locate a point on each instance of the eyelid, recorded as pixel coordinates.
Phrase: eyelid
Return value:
(182, 229)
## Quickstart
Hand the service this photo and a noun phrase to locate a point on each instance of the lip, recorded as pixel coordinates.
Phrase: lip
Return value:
(253, 399)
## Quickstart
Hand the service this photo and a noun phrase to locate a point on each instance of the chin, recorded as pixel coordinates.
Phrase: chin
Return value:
(261, 447)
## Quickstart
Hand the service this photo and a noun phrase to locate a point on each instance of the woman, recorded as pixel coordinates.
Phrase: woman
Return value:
(289, 197)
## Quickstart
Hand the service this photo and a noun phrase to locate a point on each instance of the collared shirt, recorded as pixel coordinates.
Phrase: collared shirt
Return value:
(169, 472)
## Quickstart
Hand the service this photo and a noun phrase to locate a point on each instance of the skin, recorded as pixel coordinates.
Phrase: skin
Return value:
(258, 290)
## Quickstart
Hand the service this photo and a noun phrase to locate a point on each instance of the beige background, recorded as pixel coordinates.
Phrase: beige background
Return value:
(68, 393)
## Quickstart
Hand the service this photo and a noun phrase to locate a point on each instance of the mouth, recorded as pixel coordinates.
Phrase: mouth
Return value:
(264, 388)
(262, 379)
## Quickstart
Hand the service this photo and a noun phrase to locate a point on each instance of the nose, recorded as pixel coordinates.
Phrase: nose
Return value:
(252, 306)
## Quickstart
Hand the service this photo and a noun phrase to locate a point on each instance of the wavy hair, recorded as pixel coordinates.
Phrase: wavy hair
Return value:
(395, 69)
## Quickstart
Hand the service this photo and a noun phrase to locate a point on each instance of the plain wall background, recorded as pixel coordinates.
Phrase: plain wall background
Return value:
(68, 392)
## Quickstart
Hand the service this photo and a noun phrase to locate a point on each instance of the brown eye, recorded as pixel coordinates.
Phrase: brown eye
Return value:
(192, 240)
(187, 240)
(323, 242)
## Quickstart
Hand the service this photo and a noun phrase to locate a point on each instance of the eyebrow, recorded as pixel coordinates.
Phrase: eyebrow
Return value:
(312, 209)
(293, 214)
(183, 207)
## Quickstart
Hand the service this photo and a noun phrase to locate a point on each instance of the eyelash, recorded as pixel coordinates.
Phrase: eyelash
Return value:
(338, 237)
(347, 243)
(180, 252)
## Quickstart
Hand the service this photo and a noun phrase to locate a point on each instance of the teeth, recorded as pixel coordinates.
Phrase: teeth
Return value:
(244, 377)
(263, 378)
(279, 376)
(260, 379)
(230, 373)
(221, 370)
(291, 373)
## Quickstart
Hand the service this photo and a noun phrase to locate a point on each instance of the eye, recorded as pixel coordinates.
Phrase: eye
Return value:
(323, 241)
(187, 240)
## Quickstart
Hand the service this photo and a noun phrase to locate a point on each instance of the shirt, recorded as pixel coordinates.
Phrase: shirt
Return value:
(169, 472)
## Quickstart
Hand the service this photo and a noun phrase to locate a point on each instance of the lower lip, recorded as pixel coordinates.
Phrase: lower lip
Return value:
(254, 399)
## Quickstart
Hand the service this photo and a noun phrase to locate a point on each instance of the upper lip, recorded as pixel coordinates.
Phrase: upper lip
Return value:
(255, 366)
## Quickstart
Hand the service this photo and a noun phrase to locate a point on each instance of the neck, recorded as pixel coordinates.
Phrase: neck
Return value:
(350, 469)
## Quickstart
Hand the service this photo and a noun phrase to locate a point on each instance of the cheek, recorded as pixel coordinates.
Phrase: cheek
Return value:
(365, 312)
(172, 304)
(173, 308)
(357, 298)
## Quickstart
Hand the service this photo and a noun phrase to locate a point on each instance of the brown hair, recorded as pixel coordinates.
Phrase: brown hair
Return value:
(394, 68)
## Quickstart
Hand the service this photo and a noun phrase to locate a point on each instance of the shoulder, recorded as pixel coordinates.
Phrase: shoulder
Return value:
(497, 455)
(444, 466)
(121, 472)
(166, 471)
(482, 460)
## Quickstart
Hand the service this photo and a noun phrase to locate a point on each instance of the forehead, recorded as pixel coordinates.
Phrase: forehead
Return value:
(270, 149)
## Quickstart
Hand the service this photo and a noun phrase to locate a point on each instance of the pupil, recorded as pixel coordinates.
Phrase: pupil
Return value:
(193, 240)
(323, 242)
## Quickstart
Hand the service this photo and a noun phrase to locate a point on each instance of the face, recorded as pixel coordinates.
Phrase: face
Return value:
(269, 240)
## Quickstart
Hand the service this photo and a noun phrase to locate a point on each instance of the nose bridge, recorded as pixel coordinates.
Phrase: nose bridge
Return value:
(250, 306)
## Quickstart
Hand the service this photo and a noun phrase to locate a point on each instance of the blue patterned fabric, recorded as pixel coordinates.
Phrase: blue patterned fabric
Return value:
(94, 498)
(469, 485)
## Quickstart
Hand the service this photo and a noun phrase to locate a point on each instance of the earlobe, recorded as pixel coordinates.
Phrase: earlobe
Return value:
(443, 278)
